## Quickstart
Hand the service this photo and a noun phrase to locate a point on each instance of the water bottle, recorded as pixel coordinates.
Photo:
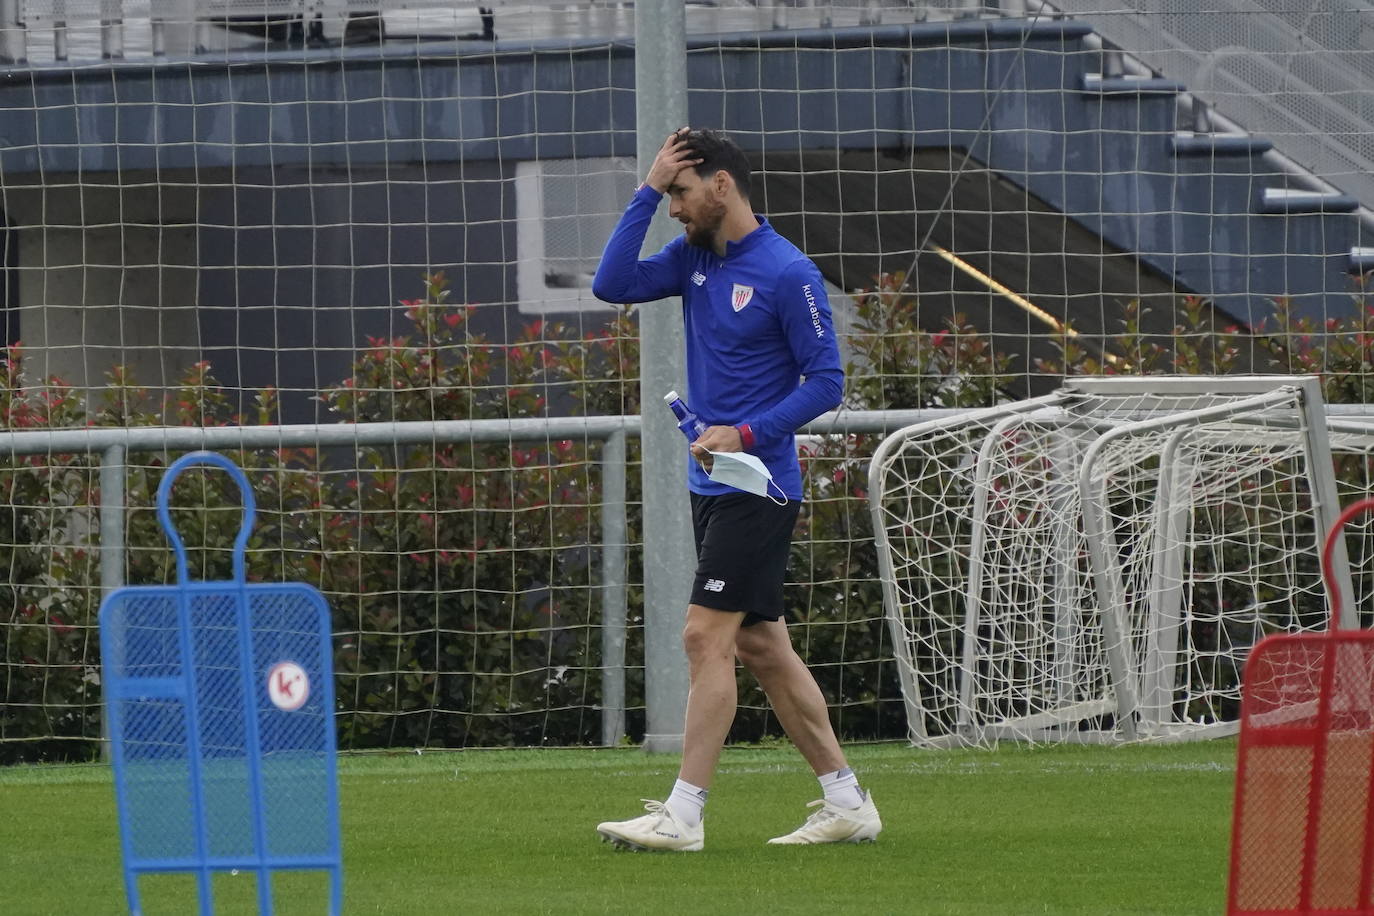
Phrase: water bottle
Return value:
(687, 421)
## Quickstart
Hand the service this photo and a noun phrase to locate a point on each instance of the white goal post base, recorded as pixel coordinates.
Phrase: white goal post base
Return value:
(1094, 565)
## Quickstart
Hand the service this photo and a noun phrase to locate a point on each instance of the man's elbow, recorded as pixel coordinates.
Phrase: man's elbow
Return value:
(602, 288)
(831, 388)
(607, 289)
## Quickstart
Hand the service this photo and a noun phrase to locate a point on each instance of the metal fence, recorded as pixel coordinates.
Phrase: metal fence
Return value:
(85, 29)
(113, 445)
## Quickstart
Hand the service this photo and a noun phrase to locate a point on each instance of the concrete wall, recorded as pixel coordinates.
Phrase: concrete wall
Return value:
(106, 275)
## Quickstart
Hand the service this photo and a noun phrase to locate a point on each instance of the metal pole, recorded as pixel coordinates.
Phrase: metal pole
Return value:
(1173, 507)
(188, 438)
(112, 461)
(13, 37)
(669, 555)
(1326, 500)
(613, 592)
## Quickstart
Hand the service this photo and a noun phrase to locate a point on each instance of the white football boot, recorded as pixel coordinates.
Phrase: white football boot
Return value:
(833, 824)
(657, 830)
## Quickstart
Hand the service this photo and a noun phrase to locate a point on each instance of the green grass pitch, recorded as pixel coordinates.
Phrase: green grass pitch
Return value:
(1083, 830)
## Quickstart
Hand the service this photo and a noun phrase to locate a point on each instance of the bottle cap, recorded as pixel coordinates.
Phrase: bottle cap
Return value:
(670, 397)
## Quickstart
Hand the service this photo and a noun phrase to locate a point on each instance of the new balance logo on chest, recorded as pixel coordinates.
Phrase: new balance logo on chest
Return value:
(698, 278)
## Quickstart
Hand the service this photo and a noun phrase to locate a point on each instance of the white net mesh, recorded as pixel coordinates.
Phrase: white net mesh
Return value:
(222, 212)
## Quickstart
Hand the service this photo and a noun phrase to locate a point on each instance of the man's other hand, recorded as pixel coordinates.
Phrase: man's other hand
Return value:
(716, 439)
(673, 157)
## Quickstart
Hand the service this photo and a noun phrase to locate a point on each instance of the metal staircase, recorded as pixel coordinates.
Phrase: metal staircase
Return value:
(1301, 75)
(1138, 159)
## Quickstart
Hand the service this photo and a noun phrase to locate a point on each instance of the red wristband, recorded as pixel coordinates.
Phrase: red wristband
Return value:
(746, 436)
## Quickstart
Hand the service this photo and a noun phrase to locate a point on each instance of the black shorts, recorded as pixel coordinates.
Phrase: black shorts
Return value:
(743, 542)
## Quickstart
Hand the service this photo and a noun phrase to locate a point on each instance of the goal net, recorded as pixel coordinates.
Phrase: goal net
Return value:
(1095, 564)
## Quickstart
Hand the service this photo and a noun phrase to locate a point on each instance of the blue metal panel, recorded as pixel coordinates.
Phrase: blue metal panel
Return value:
(221, 716)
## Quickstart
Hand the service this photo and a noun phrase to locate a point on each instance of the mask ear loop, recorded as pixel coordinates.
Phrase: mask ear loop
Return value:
(770, 495)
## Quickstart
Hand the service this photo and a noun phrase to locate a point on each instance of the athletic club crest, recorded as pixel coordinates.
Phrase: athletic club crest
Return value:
(741, 296)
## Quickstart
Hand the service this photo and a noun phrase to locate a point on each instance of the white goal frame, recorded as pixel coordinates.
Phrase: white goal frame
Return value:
(1130, 674)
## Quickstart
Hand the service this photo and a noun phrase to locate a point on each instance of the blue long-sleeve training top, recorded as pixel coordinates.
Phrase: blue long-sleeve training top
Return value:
(757, 322)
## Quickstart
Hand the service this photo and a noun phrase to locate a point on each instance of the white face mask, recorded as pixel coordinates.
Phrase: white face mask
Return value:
(743, 471)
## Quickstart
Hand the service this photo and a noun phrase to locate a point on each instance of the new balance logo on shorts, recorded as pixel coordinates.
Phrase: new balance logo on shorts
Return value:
(714, 585)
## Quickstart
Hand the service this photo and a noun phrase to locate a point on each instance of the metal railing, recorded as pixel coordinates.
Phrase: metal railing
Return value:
(62, 30)
(113, 445)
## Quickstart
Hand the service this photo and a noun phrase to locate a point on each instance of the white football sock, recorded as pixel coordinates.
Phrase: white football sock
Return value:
(842, 788)
(686, 802)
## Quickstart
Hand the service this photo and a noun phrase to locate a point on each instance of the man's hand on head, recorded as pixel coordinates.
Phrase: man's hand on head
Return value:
(673, 157)
(716, 439)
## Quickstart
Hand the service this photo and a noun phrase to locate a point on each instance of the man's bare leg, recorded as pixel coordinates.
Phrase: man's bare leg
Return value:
(709, 638)
(766, 650)
(847, 813)
(676, 824)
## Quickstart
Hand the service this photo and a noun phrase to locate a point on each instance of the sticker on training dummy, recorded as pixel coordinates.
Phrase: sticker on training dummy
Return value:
(288, 686)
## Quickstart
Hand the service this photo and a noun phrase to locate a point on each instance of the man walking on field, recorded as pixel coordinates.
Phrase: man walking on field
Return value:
(757, 322)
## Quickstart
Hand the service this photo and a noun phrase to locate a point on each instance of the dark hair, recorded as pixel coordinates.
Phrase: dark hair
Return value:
(716, 152)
